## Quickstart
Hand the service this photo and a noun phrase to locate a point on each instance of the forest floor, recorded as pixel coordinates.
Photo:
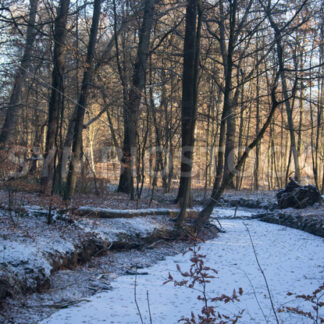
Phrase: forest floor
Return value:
(293, 261)
(102, 289)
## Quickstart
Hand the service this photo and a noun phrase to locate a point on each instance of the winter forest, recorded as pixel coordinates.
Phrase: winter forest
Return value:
(161, 161)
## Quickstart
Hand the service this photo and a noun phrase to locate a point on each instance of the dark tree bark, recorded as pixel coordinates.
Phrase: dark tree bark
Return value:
(320, 124)
(318, 142)
(9, 127)
(75, 163)
(56, 104)
(191, 51)
(205, 213)
(188, 111)
(159, 162)
(226, 160)
(227, 55)
(229, 105)
(257, 127)
(131, 107)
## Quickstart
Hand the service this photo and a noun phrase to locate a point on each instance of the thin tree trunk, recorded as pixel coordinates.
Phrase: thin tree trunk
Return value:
(319, 142)
(7, 135)
(239, 176)
(205, 213)
(75, 163)
(246, 144)
(56, 104)
(278, 40)
(257, 129)
(131, 107)
(65, 153)
(226, 145)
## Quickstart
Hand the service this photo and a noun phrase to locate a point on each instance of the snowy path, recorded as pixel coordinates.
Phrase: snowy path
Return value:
(292, 261)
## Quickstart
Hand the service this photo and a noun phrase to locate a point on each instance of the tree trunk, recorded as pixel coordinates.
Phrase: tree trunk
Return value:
(75, 163)
(191, 51)
(131, 107)
(65, 154)
(257, 128)
(205, 213)
(9, 127)
(278, 40)
(56, 104)
(239, 176)
(226, 145)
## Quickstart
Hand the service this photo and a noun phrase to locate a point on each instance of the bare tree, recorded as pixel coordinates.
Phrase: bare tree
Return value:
(131, 106)
(75, 163)
(56, 103)
(7, 134)
(205, 213)
(191, 51)
(278, 31)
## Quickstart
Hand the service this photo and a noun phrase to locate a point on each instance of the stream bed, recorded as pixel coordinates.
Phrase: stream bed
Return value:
(292, 260)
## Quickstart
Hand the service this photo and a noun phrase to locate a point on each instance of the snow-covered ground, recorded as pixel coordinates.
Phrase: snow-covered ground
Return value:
(30, 249)
(293, 261)
(113, 229)
(230, 212)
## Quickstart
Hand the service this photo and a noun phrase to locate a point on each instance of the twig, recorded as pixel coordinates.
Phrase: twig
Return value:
(263, 274)
(104, 249)
(148, 306)
(135, 299)
(235, 212)
(220, 228)
(255, 296)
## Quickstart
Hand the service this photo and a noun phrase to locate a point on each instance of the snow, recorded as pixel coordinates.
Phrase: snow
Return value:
(111, 229)
(37, 211)
(122, 212)
(27, 247)
(293, 261)
(228, 213)
(30, 248)
(22, 255)
(29, 262)
(19, 256)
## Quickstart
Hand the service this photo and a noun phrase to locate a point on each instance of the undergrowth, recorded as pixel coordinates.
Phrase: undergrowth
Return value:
(314, 300)
(198, 277)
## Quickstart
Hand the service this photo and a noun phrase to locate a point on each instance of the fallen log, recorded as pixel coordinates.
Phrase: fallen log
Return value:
(89, 211)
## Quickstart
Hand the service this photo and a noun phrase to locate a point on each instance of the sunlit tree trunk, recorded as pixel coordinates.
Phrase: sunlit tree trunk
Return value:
(205, 213)
(75, 163)
(56, 104)
(282, 71)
